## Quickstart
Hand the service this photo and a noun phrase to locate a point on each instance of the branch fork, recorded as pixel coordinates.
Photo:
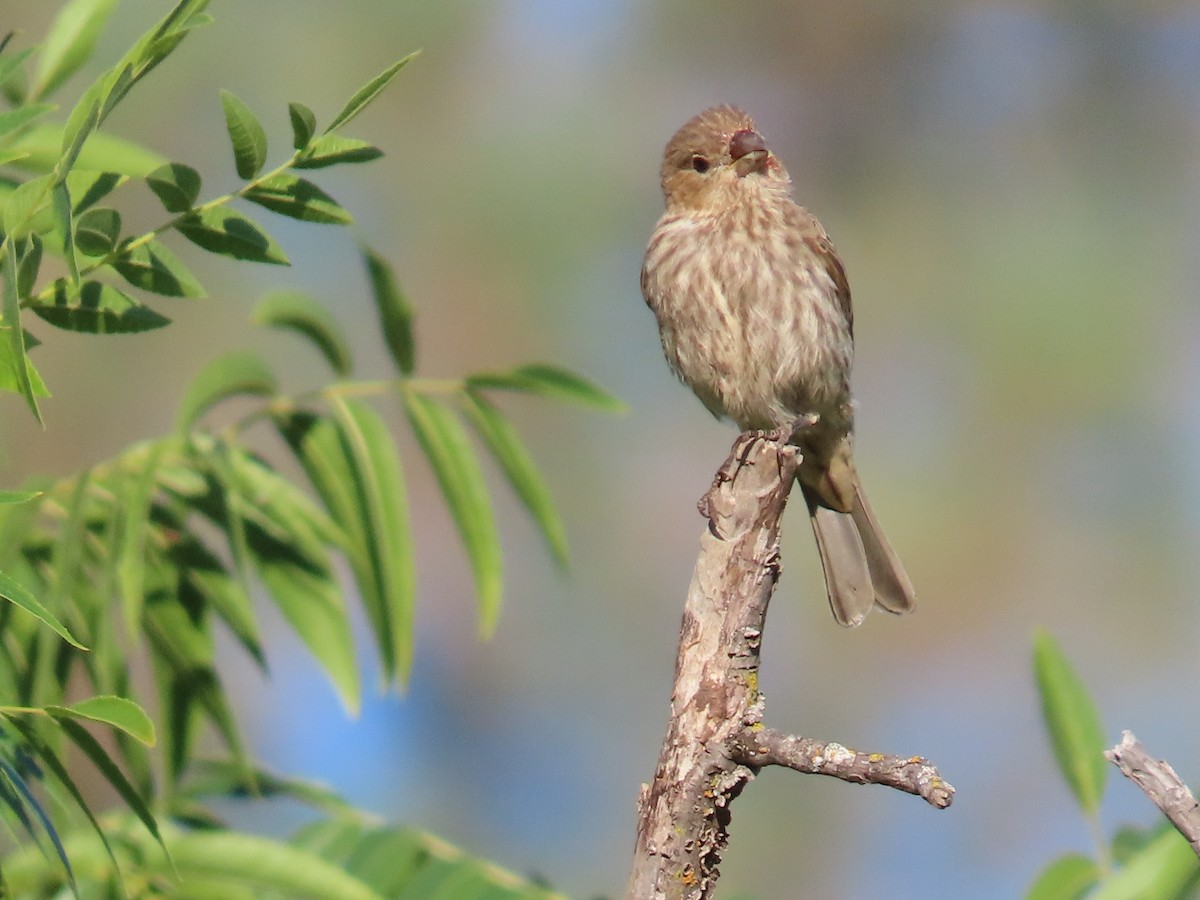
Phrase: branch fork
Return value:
(716, 742)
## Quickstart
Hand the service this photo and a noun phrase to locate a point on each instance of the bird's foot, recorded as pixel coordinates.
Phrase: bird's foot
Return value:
(784, 434)
(740, 452)
(788, 433)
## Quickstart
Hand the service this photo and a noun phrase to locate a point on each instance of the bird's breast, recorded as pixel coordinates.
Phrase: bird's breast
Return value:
(748, 315)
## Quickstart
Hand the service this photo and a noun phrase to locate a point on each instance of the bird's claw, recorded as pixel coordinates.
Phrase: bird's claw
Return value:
(784, 434)
(787, 434)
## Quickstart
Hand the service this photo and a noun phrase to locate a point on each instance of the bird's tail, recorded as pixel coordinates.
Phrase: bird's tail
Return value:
(861, 568)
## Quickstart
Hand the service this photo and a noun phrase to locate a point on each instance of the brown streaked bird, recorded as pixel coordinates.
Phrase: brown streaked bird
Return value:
(754, 313)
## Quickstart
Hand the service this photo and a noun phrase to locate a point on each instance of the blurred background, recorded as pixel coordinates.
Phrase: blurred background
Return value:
(1013, 188)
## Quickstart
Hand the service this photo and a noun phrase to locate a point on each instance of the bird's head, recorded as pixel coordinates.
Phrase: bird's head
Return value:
(714, 158)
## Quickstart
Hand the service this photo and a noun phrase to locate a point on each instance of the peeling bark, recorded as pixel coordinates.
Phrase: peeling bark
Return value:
(716, 742)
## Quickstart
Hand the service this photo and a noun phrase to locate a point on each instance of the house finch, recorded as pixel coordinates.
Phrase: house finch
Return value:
(754, 313)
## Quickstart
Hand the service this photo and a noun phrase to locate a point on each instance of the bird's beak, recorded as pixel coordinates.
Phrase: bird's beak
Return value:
(749, 152)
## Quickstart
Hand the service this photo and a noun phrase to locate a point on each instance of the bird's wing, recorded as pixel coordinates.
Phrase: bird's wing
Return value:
(820, 244)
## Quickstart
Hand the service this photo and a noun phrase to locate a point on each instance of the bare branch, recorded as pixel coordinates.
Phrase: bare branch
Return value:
(715, 742)
(761, 747)
(1159, 782)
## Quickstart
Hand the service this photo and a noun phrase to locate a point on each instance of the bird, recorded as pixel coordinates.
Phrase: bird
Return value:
(754, 315)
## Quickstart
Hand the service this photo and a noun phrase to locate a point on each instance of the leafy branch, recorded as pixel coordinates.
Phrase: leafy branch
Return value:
(139, 557)
(1135, 862)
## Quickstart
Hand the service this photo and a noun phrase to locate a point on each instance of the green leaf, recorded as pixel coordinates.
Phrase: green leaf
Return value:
(1160, 871)
(445, 444)
(333, 150)
(97, 231)
(14, 347)
(182, 654)
(42, 146)
(10, 62)
(60, 201)
(505, 444)
(150, 49)
(176, 185)
(223, 231)
(549, 381)
(1129, 840)
(70, 42)
(22, 116)
(206, 578)
(444, 880)
(25, 205)
(19, 496)
(31, 263)
(309, 598)
(236, 372)
(304, 124)
(89, 188)
(395, 312)
(246, 134)
(152, 267)
(114, 88)
(383, 567)
(80, 126)
(110, 710)
(216, 778)
(353, 464)
(1069, 877)
(91, 748)
(298, 312)
(389, 859)
(48, 758)
(18, 596)
(159, 42)
(220, 500)
(25, 797)
(8, 370)
(97, 308)
(267, 867)
(292, 196)
(412, 864)
(134, 495)
(279, 507)
(367, 93)
(69, 546)
(1074, 725)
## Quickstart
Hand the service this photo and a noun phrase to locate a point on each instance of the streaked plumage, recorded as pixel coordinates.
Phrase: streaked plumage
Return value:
(754, 313)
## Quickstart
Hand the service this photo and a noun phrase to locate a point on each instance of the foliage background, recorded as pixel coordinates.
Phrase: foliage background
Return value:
(1014, 190)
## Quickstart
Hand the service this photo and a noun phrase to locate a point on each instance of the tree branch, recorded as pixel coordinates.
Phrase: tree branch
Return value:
(911, 774)
(1159, 782)
(715, 742)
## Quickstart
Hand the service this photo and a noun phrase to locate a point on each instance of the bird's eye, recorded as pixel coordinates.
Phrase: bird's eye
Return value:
(700, 164)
